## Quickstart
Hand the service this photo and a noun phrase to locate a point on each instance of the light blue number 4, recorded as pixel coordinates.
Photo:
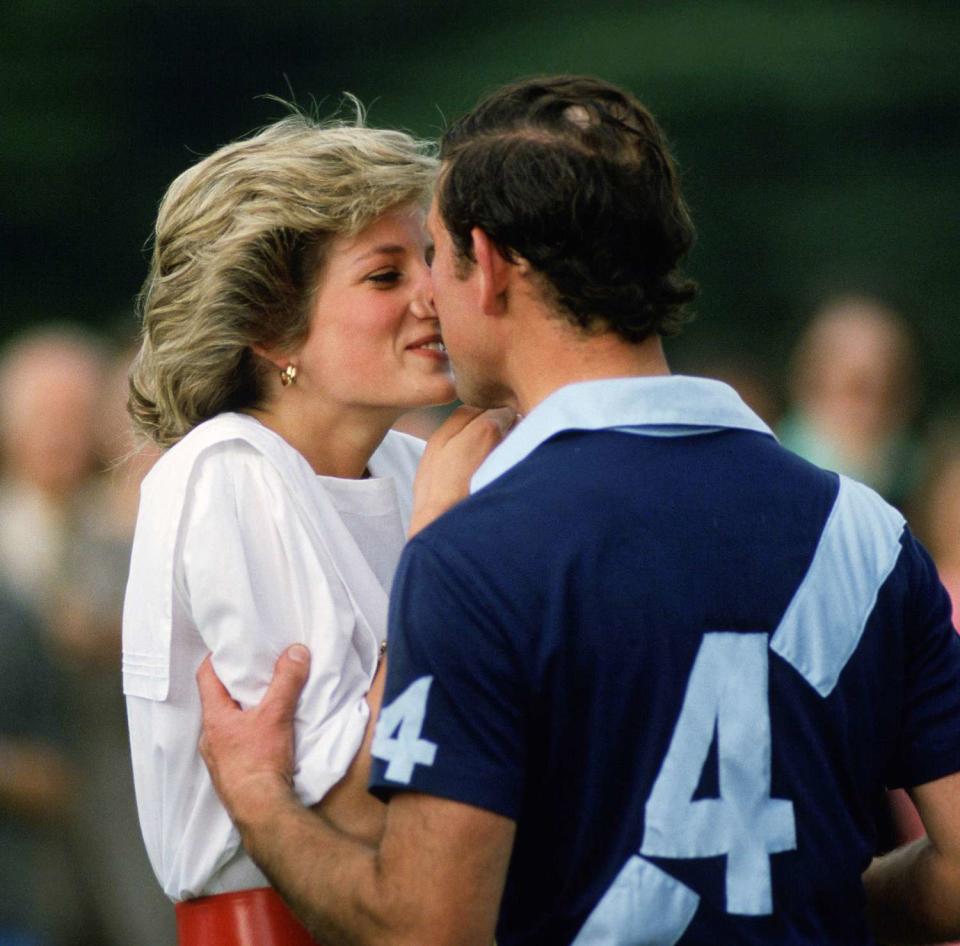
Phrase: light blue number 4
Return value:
(397, 737)
(727, 694)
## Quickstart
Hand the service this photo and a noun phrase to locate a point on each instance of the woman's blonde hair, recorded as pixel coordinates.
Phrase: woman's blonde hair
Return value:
(238, 246)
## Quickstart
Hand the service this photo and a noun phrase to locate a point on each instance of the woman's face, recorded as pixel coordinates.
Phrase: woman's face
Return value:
(374, 338)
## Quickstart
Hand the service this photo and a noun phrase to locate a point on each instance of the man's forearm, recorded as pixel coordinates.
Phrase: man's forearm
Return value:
(329, 878)
(434, 878)
(913, 895)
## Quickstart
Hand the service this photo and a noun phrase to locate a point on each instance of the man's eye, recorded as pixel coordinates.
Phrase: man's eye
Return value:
(428, 255)
(387, 277)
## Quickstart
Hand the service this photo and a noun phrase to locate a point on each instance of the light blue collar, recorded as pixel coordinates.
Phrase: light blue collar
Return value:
(673, 405)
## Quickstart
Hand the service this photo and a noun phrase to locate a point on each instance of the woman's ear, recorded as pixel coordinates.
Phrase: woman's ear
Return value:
(277, 359)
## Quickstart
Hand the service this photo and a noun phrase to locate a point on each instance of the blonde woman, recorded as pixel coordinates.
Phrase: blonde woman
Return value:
(287, 323)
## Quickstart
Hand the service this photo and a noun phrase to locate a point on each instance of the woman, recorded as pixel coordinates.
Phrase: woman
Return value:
(287, 323)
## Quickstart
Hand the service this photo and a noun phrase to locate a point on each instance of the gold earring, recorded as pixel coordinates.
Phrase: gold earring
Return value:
(288, 375)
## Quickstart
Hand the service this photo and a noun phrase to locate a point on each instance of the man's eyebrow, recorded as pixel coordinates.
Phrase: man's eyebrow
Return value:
(387, 249)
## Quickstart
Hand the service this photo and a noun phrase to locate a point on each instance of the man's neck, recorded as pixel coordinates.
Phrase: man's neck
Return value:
(545, 361)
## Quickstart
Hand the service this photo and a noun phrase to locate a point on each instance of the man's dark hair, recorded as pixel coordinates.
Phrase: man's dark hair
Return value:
(575, 176)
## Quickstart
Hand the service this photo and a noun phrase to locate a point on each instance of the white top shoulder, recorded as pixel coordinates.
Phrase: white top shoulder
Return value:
(241, 550)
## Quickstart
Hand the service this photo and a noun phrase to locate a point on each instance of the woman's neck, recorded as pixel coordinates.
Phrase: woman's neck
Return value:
(333, 442)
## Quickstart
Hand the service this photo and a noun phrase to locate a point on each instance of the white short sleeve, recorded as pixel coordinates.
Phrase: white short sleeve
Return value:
(255, 584)
(249, 578)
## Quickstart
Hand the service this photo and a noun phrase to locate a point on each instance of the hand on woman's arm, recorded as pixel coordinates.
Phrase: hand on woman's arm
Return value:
(262, 754)
(453, 453)
(435, 879)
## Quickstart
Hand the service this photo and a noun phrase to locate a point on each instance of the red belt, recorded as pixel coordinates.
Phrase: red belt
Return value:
(243, 918)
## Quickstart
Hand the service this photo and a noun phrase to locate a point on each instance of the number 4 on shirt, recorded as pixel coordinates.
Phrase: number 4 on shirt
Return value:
(727, 696)
(397, 740)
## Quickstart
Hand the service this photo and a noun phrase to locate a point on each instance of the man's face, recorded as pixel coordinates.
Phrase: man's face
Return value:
(469, 336)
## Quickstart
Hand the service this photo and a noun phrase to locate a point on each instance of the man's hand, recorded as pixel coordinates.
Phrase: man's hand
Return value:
(434, 878)
(250, 753)
(453, 453)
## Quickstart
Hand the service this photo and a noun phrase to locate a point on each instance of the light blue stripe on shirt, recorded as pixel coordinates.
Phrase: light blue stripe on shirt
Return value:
(644, 906)
(824, 622)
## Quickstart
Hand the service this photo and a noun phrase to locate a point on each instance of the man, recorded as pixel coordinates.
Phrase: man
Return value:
(648, 683)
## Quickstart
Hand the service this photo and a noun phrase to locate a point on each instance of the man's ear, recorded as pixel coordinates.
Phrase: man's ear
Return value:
(494, 272)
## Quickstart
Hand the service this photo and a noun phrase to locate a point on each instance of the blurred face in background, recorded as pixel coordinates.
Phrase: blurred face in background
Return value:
(854, 371)
(50, 390)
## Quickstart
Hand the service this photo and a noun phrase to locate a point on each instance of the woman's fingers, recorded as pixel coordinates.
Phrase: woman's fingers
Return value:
(452, 456)
(454, 424)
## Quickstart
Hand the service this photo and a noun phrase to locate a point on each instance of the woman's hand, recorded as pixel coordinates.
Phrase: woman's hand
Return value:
(456, 449)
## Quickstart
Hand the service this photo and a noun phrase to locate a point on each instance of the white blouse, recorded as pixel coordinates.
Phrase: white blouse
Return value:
(241, 550)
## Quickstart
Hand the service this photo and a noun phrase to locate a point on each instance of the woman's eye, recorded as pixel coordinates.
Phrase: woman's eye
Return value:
(428, 255)
(387, 277)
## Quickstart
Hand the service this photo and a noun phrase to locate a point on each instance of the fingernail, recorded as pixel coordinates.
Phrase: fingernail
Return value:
(299, 654)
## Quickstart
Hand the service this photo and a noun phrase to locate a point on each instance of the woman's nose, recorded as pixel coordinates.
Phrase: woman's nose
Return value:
(422, 304)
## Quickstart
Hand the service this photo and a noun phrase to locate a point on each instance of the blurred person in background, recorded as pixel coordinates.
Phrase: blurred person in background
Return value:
(853, 392)
(39, 902)
(86, 617)
(50, 383)
(66, 524)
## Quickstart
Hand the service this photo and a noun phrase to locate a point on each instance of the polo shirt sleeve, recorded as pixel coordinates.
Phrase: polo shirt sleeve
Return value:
(929, 744)
(456, 701)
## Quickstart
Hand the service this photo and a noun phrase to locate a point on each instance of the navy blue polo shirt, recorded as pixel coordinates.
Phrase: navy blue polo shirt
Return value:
(685, 661)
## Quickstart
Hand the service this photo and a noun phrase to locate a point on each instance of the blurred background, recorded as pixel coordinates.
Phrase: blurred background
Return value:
(820, 147)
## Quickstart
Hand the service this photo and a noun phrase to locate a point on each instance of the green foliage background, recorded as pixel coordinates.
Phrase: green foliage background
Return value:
(819, 140)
